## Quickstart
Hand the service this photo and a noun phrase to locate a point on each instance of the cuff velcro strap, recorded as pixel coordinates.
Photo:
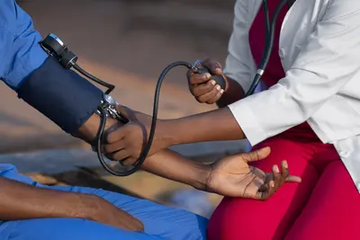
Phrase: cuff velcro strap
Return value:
(62, 95)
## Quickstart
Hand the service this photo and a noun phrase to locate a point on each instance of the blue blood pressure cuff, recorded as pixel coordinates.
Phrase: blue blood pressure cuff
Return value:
(62, 95)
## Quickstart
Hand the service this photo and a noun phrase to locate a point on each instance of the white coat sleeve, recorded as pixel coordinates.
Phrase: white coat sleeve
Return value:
(237, 62)
(329, 59)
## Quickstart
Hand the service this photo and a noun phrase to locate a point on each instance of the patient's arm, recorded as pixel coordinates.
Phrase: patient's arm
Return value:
(173, 166)
(20, 201)
(230, 176)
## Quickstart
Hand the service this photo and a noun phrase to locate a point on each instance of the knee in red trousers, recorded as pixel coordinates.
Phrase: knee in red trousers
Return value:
(247, 219)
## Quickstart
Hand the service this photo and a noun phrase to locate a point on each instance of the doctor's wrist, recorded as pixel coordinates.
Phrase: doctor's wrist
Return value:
(234, 93)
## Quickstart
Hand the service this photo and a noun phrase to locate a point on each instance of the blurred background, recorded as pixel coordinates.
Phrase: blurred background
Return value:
(127, 43)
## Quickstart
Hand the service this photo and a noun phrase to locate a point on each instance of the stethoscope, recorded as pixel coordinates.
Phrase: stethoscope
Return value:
(269, 41)
(56, 47)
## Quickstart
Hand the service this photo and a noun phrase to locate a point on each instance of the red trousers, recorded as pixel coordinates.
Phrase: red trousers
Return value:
(325, 205)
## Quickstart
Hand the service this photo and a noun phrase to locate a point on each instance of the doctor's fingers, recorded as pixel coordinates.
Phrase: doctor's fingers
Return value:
(208, 97)
(213, 65)
(130, 130)
(122, 156)
(198, 78)
(116, 134)
(111, 148)
(211, 96)
(201, 89)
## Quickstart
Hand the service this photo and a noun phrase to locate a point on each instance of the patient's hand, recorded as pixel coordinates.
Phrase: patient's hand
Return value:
(233, 177)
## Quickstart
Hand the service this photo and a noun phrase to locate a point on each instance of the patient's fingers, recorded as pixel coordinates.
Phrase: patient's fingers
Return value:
(266, 191)
(292, 178)
(274, 180)
(277, 176)
(286, 177)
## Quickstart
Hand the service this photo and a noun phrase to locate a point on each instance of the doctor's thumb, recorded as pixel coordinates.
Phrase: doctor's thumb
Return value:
(213, 65)
(126, 112)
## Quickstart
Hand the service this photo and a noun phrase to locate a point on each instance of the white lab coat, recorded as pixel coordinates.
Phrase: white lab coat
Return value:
(320, 53)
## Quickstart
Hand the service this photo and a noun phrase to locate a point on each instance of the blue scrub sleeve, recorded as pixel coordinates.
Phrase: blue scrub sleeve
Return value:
(60, 94)
(20, 51)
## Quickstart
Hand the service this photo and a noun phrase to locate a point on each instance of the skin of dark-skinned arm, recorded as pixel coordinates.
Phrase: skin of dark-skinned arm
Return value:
(164, 163)
(216, 125)
(173, 166)
(21, 201)
(234, 93)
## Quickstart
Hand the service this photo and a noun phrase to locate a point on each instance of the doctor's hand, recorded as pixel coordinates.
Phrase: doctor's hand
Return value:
(202, 87)
(232, 176)
(126, 142)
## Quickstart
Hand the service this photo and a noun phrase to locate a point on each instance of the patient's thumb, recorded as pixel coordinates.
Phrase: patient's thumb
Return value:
(256, 155)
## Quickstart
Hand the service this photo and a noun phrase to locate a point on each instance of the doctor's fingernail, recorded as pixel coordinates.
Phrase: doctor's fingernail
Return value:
(272, 184)
(213, 82)
(222, 91)
(208, 75)
(218, 88)
(276, 169)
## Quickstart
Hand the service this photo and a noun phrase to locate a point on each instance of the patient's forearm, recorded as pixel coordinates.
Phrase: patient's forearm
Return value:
(173, 166)
(89, 129)
(21, 201)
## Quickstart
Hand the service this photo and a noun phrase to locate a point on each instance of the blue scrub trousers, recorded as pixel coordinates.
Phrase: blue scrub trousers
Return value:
(160, 222)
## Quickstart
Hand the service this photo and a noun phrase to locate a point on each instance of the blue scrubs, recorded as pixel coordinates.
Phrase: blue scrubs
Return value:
(20, 52)
(160, 222)
(20, 56)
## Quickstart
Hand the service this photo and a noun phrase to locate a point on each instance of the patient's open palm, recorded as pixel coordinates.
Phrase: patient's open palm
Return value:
(232, 176)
